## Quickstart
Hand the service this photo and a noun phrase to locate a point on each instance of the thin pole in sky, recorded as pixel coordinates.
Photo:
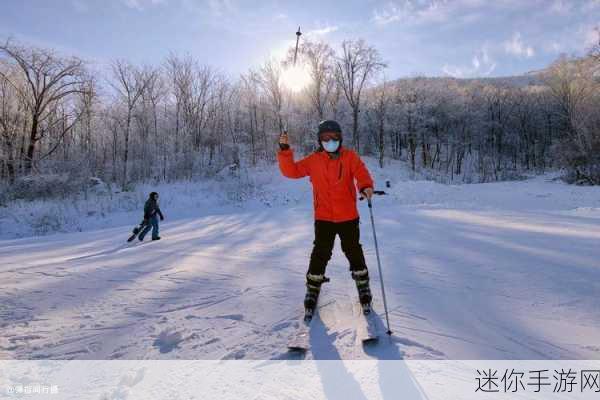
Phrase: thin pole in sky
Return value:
(298, 34)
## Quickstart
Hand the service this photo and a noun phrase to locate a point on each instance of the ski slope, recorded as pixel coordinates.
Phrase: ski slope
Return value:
(488, 271)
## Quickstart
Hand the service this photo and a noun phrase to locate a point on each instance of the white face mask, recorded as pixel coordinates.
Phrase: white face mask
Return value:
(331, 146)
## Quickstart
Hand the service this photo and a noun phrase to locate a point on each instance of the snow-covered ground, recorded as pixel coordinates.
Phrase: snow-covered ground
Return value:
(102, 208)
(488, 271)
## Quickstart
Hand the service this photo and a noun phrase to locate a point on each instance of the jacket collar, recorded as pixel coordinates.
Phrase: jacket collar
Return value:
(323, 153)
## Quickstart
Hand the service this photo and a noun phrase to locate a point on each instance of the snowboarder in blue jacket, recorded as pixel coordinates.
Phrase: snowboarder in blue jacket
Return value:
(151, 214)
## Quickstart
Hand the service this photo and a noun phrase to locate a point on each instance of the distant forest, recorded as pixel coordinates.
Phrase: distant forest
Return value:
(183, 119)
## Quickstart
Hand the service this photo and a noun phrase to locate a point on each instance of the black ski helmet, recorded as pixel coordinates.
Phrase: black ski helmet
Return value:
(153, 195)
(329, 125)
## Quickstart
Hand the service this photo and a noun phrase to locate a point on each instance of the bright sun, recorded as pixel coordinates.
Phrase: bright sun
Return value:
(295, 78)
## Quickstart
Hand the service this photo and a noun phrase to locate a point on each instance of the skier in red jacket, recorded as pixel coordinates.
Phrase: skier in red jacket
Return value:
(336, 173)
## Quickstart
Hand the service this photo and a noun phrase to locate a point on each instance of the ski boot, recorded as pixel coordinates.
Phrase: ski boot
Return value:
(313, 288)
(308, 314)
(366, 308)
(365, 300)
(361, 277)
(310, 303)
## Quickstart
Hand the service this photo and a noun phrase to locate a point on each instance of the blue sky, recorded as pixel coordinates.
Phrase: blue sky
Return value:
(461, 38)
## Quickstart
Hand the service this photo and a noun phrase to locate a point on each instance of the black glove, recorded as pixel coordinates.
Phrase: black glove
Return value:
(162, 218)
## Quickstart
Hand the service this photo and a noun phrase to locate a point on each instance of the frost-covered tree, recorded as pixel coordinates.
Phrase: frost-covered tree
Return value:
(356, 64)
(46, 84)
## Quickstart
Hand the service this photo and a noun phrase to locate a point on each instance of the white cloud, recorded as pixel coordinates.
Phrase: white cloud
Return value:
(142, 4)
(426, 11)
(517, 47)
(322, 31)
(573, 41)
(389, 14)
(481, 65)
(414, 10)
(553, 47)
(221, 7)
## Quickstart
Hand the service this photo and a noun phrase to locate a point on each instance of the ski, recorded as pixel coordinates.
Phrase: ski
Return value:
(367, 329)
(300, 341)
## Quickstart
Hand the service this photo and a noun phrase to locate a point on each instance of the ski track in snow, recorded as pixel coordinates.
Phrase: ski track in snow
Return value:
(490, 271)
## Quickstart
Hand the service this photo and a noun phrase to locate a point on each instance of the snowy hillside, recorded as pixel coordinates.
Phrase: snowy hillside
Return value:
(496, 271)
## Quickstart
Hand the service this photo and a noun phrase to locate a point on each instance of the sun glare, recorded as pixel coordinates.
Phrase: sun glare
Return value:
(295, 78)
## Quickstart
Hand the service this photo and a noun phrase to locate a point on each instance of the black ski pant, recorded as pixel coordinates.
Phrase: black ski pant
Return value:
(325, 233)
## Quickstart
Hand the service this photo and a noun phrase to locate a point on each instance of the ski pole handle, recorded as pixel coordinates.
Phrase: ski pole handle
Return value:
(284, 143)
(375, 192)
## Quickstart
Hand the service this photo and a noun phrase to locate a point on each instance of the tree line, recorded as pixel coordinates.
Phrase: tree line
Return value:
(183, 119)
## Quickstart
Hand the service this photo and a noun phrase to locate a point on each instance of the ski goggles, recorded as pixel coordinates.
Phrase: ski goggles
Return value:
(327, 136)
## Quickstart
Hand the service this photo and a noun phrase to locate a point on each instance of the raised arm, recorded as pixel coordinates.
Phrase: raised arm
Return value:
(290, 168)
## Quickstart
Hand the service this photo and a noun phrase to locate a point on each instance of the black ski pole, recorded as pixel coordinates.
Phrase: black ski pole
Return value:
(387, 318)
(297, 41)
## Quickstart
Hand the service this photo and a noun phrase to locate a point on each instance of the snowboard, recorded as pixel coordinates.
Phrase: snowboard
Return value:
(136, 231)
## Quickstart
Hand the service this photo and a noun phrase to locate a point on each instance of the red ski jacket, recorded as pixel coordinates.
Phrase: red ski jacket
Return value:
(333, 181)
